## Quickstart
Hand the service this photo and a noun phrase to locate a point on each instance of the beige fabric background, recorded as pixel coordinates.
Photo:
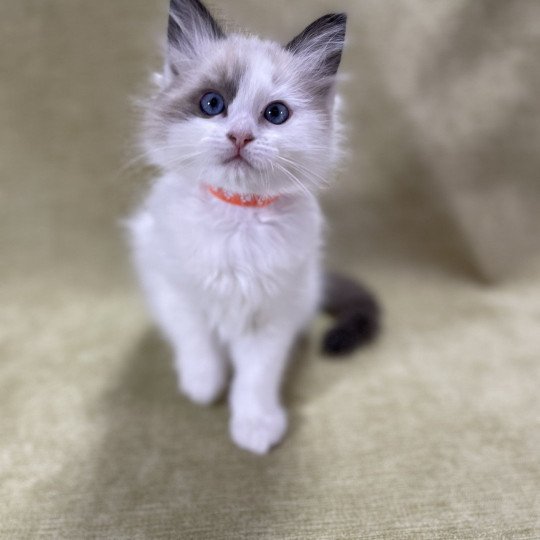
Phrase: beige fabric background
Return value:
(431, 433)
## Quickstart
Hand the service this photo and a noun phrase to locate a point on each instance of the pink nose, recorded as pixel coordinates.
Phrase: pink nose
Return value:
(240, 139)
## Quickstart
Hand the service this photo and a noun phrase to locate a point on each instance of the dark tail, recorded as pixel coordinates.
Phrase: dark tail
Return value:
(356, 311)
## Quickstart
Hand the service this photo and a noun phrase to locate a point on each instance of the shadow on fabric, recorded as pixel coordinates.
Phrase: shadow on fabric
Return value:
(163, 461)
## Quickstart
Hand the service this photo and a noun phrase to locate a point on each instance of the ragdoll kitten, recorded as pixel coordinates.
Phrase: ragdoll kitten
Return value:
(228, 242)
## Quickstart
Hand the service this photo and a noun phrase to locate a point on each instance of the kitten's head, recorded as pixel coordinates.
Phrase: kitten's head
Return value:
(241, 113)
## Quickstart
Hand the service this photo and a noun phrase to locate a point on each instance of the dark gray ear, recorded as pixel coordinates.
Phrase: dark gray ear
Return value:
(190, 24)
(322, 43)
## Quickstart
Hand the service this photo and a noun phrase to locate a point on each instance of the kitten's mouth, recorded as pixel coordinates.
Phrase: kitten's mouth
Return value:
(238, 160)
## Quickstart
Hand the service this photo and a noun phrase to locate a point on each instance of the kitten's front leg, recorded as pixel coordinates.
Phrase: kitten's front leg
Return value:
(258, 419)
(199, 360)
(200, 366)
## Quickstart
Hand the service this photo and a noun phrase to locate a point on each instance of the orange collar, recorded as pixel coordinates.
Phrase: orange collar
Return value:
(238, 199)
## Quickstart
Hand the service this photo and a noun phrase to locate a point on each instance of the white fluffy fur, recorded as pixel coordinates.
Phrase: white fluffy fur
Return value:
(232, 287)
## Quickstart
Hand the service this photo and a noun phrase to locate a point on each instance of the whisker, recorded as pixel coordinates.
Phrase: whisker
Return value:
(145, 155)
(304, 171)
(296, 180)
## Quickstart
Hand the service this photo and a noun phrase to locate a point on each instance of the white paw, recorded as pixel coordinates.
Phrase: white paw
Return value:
(259, 433)
(203, 386)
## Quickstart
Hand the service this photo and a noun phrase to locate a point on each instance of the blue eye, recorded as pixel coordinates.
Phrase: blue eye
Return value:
(277, 113)
(212, 104)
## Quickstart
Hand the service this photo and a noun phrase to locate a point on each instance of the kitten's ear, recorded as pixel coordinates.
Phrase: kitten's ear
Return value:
(321, 43)
(190, 26)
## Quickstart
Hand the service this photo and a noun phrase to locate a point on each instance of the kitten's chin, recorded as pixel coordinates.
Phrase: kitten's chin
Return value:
(242, 177)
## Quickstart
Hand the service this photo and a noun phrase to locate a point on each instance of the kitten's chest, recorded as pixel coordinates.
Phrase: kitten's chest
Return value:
(245, 251)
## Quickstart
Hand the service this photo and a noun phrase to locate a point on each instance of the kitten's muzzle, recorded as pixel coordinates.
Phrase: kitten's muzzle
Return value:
(240, 139)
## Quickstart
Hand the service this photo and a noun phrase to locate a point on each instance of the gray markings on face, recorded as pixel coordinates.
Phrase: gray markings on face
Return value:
(184, 103)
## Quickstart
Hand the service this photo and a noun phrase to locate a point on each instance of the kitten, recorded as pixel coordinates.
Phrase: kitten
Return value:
(228, 242)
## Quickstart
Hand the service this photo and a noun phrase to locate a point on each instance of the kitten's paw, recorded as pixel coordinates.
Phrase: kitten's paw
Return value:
(259, 433)
(203, 386)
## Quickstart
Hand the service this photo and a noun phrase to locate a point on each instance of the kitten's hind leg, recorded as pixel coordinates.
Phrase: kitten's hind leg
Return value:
(199, 358)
